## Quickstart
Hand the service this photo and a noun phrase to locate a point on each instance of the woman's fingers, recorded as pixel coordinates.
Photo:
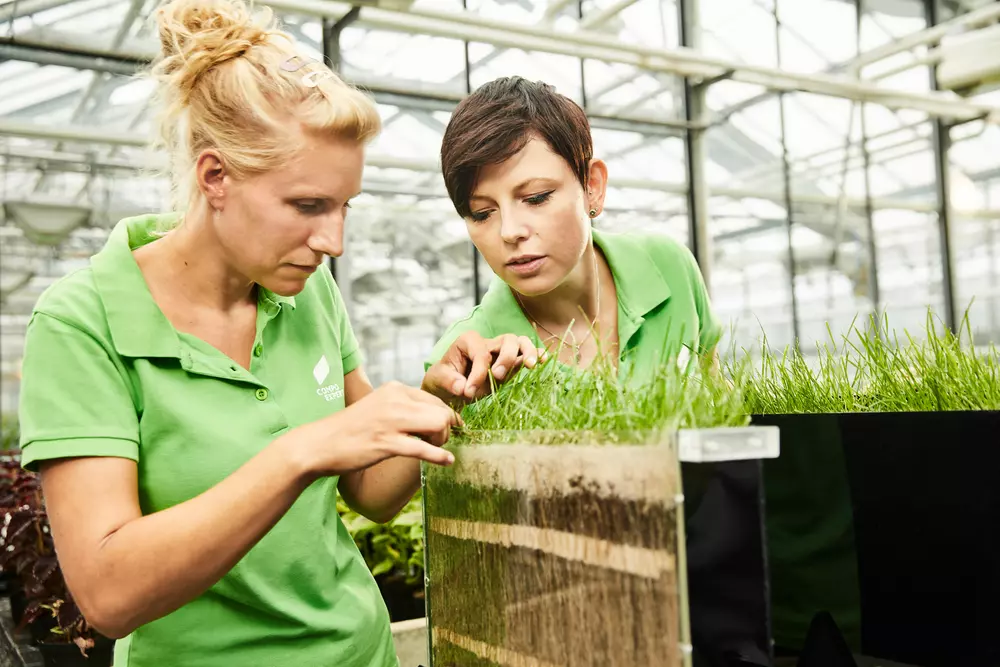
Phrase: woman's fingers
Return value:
(419, 418)
(507, 352)
(529, 353)
(481, 357)
(402, 445)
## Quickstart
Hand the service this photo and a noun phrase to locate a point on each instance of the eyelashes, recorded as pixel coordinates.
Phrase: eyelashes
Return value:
(533, 200)
(315, 206)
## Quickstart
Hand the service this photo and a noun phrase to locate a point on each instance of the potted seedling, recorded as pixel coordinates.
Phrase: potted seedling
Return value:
(882, 509)
(558, 536)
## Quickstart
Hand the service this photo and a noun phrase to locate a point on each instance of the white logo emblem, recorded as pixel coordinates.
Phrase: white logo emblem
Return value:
(330, 392)
(321, 370)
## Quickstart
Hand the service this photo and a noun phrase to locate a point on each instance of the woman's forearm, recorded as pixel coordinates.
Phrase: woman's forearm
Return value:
(152, 565)
(381, 491)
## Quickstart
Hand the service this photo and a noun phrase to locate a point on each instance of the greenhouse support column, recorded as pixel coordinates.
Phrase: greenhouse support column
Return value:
(942, 144)
(873, 287)
(694, 140)
(786, 171)
(340, 268)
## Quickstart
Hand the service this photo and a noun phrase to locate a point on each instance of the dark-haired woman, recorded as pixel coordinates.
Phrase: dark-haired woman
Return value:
(519, 167)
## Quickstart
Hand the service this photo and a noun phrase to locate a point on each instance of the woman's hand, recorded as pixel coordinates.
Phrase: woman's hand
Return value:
(462, 374)
(393, 420)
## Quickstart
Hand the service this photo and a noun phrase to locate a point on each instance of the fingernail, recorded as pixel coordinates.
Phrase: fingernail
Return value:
(532, 361)
(457, 387)
(499, 372)
(470, 390)
(450, 458)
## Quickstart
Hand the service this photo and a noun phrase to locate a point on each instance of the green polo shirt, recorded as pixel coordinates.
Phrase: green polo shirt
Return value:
(662, 304)
(106, 374)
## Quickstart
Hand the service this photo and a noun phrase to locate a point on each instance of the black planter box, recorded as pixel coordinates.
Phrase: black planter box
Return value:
(726, 564)
(891, 523)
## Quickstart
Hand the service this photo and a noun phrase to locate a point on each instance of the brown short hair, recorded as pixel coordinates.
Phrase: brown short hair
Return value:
(496, 121)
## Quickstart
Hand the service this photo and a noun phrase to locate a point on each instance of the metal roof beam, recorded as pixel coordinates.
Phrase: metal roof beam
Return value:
(88, 136)
(593, 45)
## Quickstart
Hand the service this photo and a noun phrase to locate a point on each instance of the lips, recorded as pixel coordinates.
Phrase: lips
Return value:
(524, 259)
(526, 266)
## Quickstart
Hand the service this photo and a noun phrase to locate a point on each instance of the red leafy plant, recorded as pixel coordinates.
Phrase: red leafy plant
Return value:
(28, 554)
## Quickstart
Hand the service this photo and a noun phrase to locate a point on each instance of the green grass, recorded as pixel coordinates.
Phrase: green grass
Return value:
(869, 368)
(874, 369)
(554, 403)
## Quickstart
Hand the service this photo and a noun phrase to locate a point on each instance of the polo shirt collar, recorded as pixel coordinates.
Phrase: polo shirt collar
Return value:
(638, 281)
(138, 326)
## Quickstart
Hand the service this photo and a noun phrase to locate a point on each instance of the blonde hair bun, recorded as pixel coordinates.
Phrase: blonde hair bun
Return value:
(222, 86)
(196, 36)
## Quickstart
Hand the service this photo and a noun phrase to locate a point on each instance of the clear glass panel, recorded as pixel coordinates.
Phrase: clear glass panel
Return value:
(745, 154)
(833, 278)
(976, 252)
(750, 278)
(816, 33)
(563, 72)
(406, 274)
(400, 62)
(742, 30)
(883, 22)
(908, 253)
(525, 569)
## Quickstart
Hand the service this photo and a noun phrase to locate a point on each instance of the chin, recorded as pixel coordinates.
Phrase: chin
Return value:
(530, 286)
(284, 287)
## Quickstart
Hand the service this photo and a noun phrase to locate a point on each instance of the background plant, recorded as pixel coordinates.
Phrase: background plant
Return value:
(395, 548)
(872, 368)
(28, 555)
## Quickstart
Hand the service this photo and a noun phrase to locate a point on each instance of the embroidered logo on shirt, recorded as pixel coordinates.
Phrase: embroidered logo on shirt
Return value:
(322, 370)
(330, 392)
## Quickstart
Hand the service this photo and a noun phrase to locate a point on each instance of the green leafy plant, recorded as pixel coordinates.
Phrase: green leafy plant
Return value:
(874, 369)
(9, 432)
(395, 548)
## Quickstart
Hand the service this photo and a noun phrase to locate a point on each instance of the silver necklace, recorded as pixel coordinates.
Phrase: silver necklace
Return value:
(590, 331)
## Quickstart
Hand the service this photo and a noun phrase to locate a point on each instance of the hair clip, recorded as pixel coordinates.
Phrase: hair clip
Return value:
(288, 66)
(311, 79)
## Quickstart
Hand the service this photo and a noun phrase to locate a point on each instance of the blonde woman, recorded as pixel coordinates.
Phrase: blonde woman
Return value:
(194, 399)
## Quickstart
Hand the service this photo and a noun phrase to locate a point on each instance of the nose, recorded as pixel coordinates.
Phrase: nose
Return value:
(328, 237)
(513, 227)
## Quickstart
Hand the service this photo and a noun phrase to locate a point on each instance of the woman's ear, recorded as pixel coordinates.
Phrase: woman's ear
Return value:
(597, 186)
(211, 173)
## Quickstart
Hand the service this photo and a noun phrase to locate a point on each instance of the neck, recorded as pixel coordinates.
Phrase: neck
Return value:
(195, 260)
(576, 299)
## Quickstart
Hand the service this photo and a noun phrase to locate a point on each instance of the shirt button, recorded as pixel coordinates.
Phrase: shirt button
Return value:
(261, 394)
(258, 350)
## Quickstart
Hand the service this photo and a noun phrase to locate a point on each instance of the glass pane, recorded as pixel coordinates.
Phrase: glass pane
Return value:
(908, 252)
(408, 276)
(976, 252)
(750, 278)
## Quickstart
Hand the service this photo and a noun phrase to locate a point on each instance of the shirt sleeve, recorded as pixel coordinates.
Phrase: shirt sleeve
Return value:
(710, 329)
(350, 350)
(75, 399)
